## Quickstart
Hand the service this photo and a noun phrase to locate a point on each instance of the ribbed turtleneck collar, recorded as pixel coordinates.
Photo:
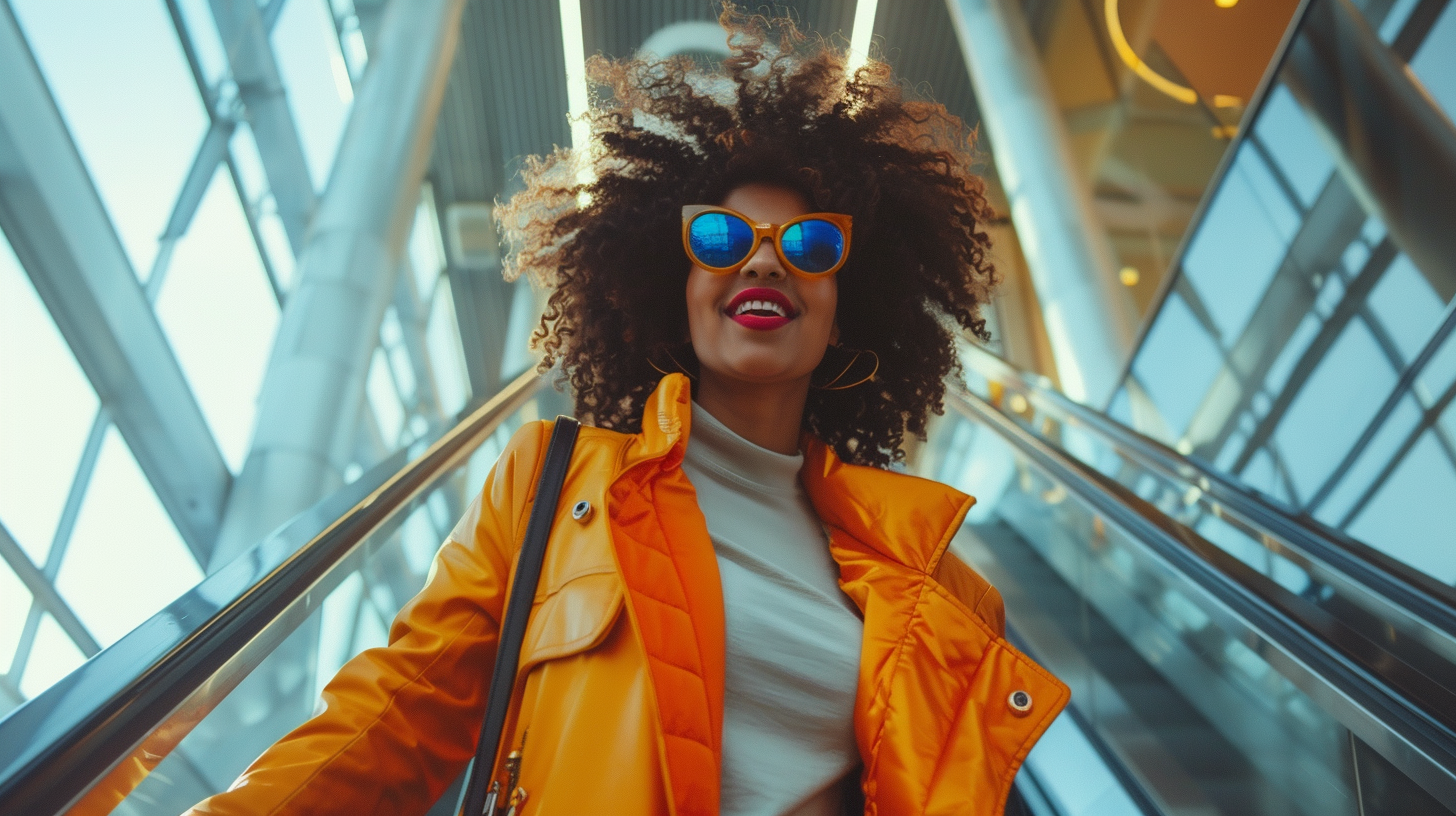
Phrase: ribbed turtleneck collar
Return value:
(713, 445)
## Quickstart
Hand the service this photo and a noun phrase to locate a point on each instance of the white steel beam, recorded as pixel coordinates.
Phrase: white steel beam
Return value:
(308, 411)
(60, 231)
(244, 33)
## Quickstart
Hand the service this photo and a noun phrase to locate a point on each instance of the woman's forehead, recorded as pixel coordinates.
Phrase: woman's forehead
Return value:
(766, 202)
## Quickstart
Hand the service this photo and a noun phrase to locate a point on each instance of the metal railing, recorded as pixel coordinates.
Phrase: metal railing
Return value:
(1409, 717)
(90, 739)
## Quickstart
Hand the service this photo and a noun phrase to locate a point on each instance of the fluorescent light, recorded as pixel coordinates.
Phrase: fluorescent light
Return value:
(575, 54)
(859, 38)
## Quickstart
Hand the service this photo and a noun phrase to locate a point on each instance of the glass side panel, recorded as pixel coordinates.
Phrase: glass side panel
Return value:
(1172, 681)
(1410, 639)
(359, 600)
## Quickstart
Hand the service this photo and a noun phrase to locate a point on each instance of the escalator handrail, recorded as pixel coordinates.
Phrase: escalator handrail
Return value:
(1303, 637)
(1433, 602)
(56, 746)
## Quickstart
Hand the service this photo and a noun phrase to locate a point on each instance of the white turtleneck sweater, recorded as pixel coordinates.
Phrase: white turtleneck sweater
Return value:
(793, 638)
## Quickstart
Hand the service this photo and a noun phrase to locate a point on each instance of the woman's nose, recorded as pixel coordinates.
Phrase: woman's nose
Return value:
(764, 263)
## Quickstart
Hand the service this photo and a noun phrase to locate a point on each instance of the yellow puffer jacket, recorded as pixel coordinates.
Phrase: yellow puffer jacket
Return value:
(619, 705)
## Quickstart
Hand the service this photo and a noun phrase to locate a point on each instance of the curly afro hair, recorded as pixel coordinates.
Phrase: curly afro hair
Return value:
(601, 228)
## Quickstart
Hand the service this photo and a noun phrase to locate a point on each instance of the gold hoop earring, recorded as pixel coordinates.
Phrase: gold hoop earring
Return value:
(832, 384)
(681, 369)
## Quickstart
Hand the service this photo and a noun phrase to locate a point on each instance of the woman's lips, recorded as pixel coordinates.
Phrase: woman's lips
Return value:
(760, 309)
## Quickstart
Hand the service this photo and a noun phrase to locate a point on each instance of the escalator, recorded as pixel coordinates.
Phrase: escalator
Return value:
(1225, 656)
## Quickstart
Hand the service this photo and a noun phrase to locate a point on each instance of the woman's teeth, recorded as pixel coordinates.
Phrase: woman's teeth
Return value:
(760, 306)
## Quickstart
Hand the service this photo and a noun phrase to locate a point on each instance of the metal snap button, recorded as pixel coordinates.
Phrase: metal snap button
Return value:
(1020, 702)
(581, 511)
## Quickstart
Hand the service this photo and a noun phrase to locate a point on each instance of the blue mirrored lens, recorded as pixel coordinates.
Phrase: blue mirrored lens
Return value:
(719, 239)
(813, 246)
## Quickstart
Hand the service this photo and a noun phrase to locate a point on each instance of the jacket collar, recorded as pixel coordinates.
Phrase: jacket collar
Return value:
(902, 517)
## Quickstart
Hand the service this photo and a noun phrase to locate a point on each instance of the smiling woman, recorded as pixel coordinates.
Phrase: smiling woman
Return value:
(758, 280)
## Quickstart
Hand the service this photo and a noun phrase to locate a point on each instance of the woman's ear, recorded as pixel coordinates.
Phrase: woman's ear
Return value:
(834, 334)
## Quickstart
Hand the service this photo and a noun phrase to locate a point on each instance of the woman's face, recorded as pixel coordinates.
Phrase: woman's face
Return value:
(734, 346)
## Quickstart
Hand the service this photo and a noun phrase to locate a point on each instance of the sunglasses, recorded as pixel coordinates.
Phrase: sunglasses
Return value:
(721, 241)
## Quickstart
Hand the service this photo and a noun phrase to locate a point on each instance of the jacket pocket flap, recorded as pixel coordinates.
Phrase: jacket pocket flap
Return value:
(573, 618)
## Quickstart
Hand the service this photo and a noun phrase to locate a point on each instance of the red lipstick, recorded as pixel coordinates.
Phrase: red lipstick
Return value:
(761, 309)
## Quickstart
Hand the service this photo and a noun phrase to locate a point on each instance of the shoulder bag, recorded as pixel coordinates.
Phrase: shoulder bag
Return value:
(478, 797)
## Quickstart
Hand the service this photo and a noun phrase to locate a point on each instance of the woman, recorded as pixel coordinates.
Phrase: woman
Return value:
(754, 299)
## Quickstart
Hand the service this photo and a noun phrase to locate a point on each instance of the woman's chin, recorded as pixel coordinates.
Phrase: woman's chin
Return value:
(761, 371)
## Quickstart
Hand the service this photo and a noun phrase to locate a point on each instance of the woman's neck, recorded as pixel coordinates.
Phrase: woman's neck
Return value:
(769, 415)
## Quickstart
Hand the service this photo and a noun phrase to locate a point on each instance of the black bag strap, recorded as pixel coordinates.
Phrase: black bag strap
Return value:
(477, 798)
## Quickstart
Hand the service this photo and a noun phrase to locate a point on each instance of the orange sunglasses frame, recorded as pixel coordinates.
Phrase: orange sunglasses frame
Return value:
(762, 231)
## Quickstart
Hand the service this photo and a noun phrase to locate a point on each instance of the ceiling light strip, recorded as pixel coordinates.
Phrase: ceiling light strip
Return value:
(859, 38)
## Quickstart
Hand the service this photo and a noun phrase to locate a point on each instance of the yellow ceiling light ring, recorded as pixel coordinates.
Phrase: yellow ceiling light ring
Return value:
(1182, 93)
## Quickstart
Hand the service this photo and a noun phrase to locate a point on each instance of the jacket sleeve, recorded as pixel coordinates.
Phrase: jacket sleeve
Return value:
(400, 722)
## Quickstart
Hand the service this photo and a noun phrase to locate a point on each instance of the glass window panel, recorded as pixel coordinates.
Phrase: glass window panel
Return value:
(1273, 201)
(1262, 474)
(1331, 293)
(276, 244)
(202, 31)
(122, 83)
(1395, 19)
(447, 357)
(1333, 407)
(1294, 349)
(1412, 516)
(1407, 307)
(426, 246)
(126, 560)
(1177, 363)
(1435, 62)
(316, 79)
(1439, 373)
(525, 316)
(249, 162)
(1121, 407)
(383, 398)
(14, 607)
(1355, 256)
(404, 372)
(1387, 440)
(1235, 252)
(52, 657)
(46, 410)
(220, 315)
(1289, 137)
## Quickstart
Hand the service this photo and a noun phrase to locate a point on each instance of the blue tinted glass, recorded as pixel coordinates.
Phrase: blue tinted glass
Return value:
(719, 239)
(813, 245)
